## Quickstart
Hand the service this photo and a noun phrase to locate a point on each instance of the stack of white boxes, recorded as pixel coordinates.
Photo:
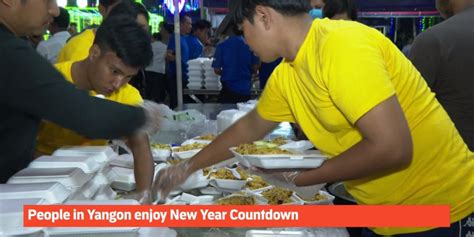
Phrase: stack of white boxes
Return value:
(195, 74)
(201, 74)
(211, 79)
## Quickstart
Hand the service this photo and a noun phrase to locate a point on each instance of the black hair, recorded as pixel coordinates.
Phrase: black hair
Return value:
(245, 9)
(235, 29)
(62, 20)
(201, 25)
(182, 17)
(333, 7)
(133, 9)
(125, 37)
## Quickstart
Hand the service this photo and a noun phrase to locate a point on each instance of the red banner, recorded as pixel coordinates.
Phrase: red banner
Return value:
(234, 216)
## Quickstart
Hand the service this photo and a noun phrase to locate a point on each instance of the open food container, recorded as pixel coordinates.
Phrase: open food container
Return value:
(53, 193)
(242, 198)
(320, 198)
(279, 196)
(88, 164)
(161, 152)
(71, 178)
(304, 160)
(125, 179)
(185, 199)
(11, 217)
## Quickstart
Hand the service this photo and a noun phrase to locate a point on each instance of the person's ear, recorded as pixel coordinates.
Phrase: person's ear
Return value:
(94, 52)
(264, 15)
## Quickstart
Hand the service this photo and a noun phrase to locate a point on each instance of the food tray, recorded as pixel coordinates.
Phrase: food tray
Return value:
(54, 193)
(71, 178)
(328, 199)
(88, 164)
(305, 160)
(103, 153)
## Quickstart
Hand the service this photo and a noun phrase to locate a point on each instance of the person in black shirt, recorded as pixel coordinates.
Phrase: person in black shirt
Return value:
(444, 55)
(31, 90)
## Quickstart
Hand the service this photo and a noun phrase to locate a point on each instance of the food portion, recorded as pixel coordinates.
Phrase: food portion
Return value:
(189, 147)
(316, 197)
(223, 173)
(237, 200)
(254, 149)
(161, 146)
(256, 182)
(243, 174)
(208, 137)
(279, 141)
(277, 196)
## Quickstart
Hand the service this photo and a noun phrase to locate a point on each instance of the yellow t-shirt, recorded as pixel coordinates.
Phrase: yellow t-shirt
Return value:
(51, 136)
(77, 48)
(343, 70)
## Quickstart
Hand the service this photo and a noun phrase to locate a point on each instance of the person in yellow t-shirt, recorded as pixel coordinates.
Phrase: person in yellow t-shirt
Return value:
(121, 48)
(360, 102)
(77, 48)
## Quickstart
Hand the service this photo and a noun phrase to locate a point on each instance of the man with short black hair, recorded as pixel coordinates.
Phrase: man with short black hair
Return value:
(121, 49)
(198, 39)
(49, 49)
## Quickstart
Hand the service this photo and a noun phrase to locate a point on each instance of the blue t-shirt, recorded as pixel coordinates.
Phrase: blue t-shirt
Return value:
(195, 47)
(266, 70)
(236, 60)
(171, 66)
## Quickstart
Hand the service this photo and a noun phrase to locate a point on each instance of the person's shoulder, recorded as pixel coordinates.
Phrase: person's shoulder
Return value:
(127, 94)
(85, 35)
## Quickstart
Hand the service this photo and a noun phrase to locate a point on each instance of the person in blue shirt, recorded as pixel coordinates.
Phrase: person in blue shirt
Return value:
(235, 63)
(185, 25)
(199, 38)
(266, 70)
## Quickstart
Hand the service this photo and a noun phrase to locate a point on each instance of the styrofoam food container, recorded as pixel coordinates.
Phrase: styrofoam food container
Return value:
(195, 180)
(191, 141)
(11, 217)
(186, 198)
(88, 164)
(96, 231)
(71, 178)
(105, 193)
(272, 233)
(210, 191)
(305, 160)
(185, 154)
(125, 179)
(54, 193)
(295, 200)
(124, 161)
(103, 153)
(228, 184)
(298, 146)
(328, 199)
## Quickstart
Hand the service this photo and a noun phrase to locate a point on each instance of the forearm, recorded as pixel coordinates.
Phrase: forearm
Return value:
(244, 131)
(143, 161)
(363, 160)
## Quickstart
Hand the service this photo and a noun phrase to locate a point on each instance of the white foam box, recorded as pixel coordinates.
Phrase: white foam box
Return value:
(71, 178)
(103, 153)
(125, 179)
(54, 193)
(105, 193)
(88, 164)
(11, 217)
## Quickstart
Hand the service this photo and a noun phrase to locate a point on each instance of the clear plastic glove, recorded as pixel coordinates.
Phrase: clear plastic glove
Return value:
(142, 197)
(170, 178)
(286, 179)
(153, 117)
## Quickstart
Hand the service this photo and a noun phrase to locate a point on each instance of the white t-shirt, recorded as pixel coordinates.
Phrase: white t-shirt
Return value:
(159, 52)
(50, 48)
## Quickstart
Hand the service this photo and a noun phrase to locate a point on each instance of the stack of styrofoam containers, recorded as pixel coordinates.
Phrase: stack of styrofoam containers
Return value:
(195, 74)
(54, 193)
(11, 217)
(211, 79)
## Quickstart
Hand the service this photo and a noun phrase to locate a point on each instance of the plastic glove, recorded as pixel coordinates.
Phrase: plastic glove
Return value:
(142, 197)
(153, 117)
(170, 178)
(286, 179)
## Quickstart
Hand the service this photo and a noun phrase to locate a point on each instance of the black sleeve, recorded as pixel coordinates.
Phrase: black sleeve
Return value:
(30, 84)
(425, 55)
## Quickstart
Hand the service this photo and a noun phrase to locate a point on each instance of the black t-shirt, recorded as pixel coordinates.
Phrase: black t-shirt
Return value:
(31, 89)
(444, 54)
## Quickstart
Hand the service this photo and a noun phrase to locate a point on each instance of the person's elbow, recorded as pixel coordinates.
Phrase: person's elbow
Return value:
(400, 154)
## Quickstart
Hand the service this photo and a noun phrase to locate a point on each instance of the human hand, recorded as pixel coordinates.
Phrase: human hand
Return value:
(169, 178)
(143, 197)
(153, 117)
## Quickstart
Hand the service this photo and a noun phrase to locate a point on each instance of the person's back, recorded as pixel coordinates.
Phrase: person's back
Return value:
(444, 55)
(51, 47)
(236, 60)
